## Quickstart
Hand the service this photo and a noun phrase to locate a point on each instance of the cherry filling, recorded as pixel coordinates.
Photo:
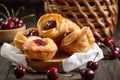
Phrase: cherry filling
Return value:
(103, 3)
(50, 24)
(31, 33)
(66, 34)
(39, 42)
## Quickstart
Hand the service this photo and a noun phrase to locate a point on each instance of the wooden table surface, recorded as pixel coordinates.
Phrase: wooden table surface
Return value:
(108, 69)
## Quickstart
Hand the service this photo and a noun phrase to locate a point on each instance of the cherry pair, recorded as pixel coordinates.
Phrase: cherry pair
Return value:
(109, 44)
(89, 72)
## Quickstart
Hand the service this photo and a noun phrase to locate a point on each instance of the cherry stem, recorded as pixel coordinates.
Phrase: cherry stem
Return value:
(12, 10)
(19, 10)
(81, 72)
(6, 9)
(27, 16)
(14, 64)
(95, 56)
(3, 15)
(66, 74)
(106, 47)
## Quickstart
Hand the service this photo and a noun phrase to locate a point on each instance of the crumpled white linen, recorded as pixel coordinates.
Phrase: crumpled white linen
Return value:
(13, 54)
(77, 60)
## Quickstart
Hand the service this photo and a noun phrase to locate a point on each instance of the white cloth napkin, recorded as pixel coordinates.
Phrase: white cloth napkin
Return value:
(13, 54)
(77, 60)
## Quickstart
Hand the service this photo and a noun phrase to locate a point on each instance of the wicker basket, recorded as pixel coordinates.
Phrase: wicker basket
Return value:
(99, 15)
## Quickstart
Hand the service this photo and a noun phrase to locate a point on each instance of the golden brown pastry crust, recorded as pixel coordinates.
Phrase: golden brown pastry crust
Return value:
(71, 25)
(78, 41)
(33, 51)
(63, 26)
(19, 40)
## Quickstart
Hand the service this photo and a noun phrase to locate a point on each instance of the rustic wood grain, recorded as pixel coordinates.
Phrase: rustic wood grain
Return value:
(108, 70)
(4, 68)
(43, 66)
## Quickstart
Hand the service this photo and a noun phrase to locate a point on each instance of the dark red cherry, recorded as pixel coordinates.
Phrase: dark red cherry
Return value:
(88, 65)
(39, 42)
(88, 74)
(1, 23)
(15, 19)
(114, 54)
(108, 42)
(35, 33)
(52, 73)
(99, 43)
(116, 48)
(31, 33)
(9, 24)
(92, 65)
(19, 71)
(1, 20)
(50, 24)
(0, 27)
(20, 23)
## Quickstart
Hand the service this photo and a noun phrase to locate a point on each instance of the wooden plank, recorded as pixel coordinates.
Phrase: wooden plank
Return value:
(108, 70)
(43, 76)
(4, 68)
(43, 66)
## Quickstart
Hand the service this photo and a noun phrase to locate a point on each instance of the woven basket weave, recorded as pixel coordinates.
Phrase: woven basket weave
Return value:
(99, 15)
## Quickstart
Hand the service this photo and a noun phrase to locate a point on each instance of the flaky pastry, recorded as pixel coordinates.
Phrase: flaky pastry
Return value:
(21, 37)
(78, 41)
(54, 26)
(39, 48)
(19, 40)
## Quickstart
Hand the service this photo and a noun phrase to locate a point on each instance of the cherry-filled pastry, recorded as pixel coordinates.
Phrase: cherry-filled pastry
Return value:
(54, 26)
(78, 41)
(39, 48)
(21, 37)
(54, 32)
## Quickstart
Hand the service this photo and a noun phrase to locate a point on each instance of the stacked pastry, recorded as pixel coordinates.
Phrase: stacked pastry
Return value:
(53, 32)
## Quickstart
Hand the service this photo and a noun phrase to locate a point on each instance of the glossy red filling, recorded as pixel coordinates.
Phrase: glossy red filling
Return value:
(39, 42)
(50, 24)
(31, 33)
